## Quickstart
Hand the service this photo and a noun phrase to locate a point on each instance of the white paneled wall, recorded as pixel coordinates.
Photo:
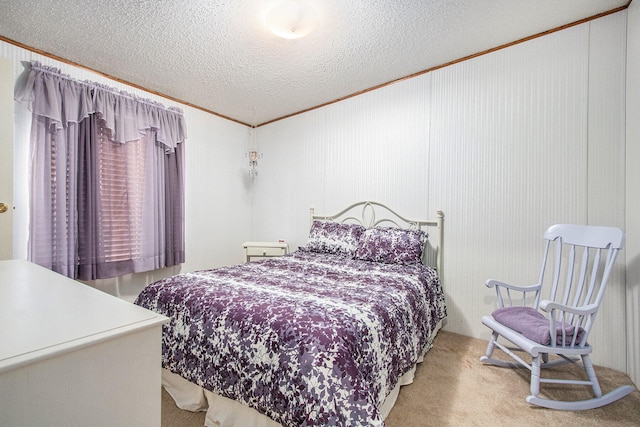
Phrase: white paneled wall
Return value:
(332, 157)
(606, 167)
(509, 146)
(217, 191)
(505, 144)
(633, 189)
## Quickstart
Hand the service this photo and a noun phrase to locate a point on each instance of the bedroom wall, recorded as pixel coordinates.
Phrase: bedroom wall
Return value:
(632, 191)
(505, 144)
(217, 193)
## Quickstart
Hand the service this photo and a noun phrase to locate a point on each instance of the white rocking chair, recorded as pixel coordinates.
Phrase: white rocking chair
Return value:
(584, 258)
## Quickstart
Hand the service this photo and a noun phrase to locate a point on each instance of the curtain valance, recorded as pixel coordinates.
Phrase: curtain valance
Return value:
(64, 100)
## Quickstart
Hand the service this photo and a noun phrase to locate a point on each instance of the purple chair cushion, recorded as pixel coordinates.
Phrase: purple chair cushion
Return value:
(534, 325)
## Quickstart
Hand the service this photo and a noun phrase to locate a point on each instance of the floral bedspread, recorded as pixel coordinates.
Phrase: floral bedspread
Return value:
(307, 339)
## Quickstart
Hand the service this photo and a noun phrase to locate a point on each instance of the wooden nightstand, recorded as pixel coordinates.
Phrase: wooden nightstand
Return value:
(264, 249)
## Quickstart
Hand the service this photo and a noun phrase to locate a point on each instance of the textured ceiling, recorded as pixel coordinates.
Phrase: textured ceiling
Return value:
(218, 56)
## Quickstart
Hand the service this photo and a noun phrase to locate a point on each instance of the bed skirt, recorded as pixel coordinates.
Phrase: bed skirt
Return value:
(225, 412)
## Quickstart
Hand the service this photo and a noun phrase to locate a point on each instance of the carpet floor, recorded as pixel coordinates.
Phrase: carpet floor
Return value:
(453, 388)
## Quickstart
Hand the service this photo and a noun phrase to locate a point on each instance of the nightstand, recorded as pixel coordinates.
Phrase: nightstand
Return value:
(264, 249)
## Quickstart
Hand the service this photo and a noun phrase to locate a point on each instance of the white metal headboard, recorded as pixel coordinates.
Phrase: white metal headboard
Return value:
(373, 214)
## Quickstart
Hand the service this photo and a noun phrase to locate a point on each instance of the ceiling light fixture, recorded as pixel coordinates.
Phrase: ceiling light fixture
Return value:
(292, 20)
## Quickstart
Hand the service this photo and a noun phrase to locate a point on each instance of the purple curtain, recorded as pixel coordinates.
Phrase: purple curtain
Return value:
(106, 178)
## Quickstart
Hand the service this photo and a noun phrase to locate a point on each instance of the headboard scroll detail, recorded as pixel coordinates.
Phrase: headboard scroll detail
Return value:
(373, 214)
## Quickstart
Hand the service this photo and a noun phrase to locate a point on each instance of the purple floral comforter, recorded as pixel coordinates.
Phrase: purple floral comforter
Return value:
(307, 339)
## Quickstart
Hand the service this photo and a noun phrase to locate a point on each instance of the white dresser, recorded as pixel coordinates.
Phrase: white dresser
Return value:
(71, 355)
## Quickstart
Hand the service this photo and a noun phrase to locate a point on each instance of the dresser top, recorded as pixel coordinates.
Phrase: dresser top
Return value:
(43, 313)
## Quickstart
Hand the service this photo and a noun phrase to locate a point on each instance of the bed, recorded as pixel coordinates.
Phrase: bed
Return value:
(325, 335)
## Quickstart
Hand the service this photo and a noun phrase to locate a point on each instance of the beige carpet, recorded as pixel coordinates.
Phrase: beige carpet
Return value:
(453, 388)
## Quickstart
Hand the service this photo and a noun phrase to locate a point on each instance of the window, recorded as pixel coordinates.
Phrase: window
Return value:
(107, 187)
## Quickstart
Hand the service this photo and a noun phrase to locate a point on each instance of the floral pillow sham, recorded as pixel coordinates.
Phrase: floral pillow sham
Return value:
(334, 238)
(391, 245)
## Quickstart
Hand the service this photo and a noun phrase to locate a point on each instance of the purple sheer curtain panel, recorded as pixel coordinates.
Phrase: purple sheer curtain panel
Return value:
(106, 178)
(174, 207)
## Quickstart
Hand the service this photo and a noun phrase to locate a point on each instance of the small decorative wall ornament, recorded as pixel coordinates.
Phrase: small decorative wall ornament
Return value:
(252, 152)
(253, 163)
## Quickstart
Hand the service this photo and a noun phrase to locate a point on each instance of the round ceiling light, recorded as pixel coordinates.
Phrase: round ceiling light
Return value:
(292, 20)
